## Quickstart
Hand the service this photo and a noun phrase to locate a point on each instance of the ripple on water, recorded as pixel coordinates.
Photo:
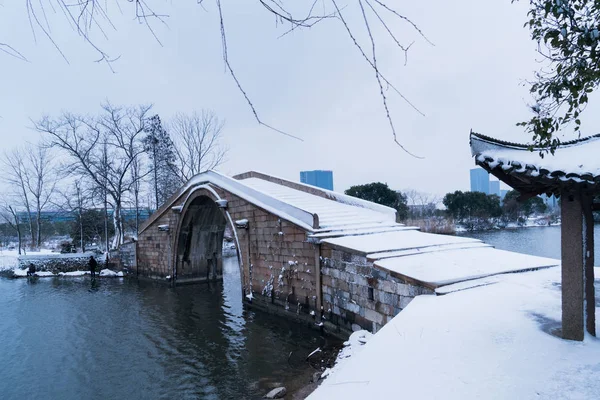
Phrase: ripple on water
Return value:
(64, 338)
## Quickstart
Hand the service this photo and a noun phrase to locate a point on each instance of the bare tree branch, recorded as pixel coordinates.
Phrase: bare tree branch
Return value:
(85, 15)
(197, 140)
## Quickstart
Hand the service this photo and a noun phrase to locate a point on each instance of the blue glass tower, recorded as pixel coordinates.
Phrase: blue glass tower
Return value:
(495, 188)
(480, 180)
(322, 179)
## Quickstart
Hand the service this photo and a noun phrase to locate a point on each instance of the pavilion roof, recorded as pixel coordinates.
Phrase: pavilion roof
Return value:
(574, 163)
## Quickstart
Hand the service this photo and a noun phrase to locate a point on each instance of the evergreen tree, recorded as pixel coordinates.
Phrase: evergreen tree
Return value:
(91, 226)
(380, 193)
(160, 149)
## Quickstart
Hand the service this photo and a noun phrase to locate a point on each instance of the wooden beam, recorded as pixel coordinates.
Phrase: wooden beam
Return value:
(572, 270)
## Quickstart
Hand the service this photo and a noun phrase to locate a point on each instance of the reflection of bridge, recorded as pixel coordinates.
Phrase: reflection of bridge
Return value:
(313, 252)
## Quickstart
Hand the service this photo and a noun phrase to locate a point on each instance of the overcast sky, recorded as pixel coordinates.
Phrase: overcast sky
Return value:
(311, 83)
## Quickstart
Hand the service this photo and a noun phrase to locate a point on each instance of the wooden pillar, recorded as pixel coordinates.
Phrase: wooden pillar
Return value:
(572, 270)
(590, 293)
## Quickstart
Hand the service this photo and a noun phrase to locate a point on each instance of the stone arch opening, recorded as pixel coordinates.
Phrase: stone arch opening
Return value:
(200, 242)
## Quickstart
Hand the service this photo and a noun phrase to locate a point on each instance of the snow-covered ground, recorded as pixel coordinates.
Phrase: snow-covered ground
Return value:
(352, 347)
(19, 273)
(9, 259)
(496, 341)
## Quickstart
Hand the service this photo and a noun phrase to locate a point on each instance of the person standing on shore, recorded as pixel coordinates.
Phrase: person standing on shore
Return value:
(93, 264)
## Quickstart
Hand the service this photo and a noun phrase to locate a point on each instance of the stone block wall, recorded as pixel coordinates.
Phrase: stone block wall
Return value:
(279, 264)
(124, 258)
(155, 249)
(355, 292)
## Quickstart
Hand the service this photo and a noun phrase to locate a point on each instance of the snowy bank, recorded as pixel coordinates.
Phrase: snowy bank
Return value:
(494, 341)
(21, 273)
(45, 260)
(353, 346)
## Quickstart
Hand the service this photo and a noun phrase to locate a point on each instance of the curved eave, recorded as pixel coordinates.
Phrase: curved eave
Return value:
(508, 161)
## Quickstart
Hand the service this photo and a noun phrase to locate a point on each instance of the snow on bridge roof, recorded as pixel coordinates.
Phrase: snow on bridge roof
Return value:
(332, 213)
(314, 209)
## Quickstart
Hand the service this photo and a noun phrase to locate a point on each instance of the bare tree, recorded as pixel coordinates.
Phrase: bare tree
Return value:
(421, 204)
(74, 199)
(11, 217)
(137, 175)
(198, 145)
(103, 149)
(41, 180)
(17, 176)
(375, 16)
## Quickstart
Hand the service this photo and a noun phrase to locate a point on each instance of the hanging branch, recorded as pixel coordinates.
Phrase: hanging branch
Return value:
(237, 82)
(85, 15)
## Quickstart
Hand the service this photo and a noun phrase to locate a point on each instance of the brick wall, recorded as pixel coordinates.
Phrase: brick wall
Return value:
(155, 248)
(354, 292)
(277, 259)
(278, 262)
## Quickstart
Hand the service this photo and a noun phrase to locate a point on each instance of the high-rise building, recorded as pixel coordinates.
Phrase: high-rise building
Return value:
(480, 180)
(503, 193)
(322, 179)
(494, 188)
(551, 201)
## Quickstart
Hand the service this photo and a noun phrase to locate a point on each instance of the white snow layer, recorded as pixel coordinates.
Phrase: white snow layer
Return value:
(489, 342)
(353, 346)
(73, 273)
(108, 272)
(577, 158)
(446, 267)
(399, 240)
(331, 213)
(105, 272)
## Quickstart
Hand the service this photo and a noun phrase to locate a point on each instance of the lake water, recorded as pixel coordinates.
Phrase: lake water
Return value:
(62, 338)
(538, 241)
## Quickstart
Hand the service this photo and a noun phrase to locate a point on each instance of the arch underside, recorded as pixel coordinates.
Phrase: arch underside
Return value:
(200, 242)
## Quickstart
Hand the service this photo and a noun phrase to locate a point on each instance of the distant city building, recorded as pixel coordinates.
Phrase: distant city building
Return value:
(480, 180)
(494, 188)
(550, 201)
(322, 179)
(503, 194)
(128, 214)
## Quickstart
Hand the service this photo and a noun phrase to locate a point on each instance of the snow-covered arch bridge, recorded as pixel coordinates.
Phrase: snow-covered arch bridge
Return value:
(323, 255)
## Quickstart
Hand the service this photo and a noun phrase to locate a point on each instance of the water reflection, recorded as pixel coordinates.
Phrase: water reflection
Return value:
(71, 338)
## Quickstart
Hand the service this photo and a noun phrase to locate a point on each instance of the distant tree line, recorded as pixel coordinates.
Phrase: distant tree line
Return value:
(96, 166)
(477, 210)
(473, 210)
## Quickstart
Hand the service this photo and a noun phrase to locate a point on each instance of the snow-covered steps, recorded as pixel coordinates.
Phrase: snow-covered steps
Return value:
(361, 230)
(334, 210)
(394, 241)
(425, 249)
(465, 285)
(435, 269)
